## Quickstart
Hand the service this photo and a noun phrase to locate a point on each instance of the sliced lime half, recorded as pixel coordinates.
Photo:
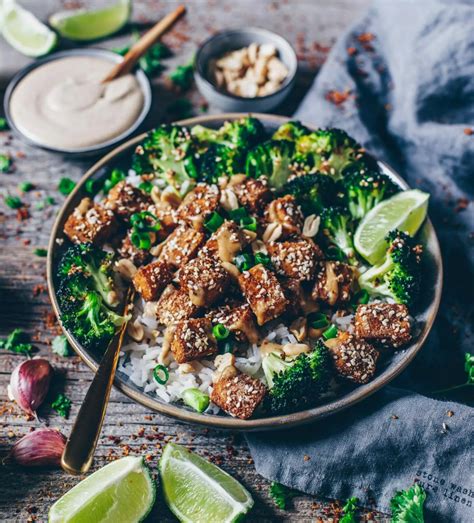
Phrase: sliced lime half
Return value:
(405, 211)
(82, 25)
(197, 491)
(122, 491)
(24, 32)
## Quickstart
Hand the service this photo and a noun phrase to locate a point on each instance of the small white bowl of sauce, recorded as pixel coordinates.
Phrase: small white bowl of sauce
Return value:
(60, 104)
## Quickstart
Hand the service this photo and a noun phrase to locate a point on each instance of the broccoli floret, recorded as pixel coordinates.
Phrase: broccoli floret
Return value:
(168, 151)
(312, 191)
(365, 186)
(398, 276)
(272, 158)
(219, 160)
(241, 134)
(336, 225)
(327, 150)
(290, 131)
(297, 383)
(86, 295)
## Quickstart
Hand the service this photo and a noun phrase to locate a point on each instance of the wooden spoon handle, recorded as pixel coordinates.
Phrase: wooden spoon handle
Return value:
(145, 42)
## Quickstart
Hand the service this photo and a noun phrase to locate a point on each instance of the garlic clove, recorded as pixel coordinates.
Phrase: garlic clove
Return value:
(29, 384)
(40, 448)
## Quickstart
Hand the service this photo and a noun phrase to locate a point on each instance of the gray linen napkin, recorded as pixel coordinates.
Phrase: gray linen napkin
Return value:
(406, 71)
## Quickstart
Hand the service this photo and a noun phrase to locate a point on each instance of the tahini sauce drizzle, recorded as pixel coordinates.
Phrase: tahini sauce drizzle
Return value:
(63, 104)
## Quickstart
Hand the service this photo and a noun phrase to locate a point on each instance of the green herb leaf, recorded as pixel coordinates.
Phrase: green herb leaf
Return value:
(350, 510)
(182, 76)
(62, 405)
(281, 495)
(16, 342)
(469, 368)
(3, 124)
(60, 346)
(66, 185)
(407, 505)
(42, 253)
(146, 186)
(92, 186)
(26, 186)
(5, 163)
(13, 202)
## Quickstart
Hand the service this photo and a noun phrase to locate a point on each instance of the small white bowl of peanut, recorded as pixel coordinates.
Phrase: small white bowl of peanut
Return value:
(245, 70)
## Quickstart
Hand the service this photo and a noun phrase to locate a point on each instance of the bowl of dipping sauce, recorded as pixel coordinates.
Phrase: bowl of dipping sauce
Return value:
(245, 70)
(60, 103)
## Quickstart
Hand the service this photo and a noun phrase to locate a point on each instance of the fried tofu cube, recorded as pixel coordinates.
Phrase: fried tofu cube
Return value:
(295, 259)
(198, 205)
(334, 282)
(383, 323)
(294, 294)
(182, 245)
(286, 213)
(174, 305)
(253, 194)
(136, 255)
(226, 242)
(193, 340)
(204, 279)
(354, 359)
(124, 199)
(151, 279)
(263, 293)
(238, 395)
(90, 223)
(238, 319)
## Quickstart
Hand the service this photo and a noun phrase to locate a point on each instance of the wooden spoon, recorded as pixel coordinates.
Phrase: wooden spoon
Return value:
(145, 42)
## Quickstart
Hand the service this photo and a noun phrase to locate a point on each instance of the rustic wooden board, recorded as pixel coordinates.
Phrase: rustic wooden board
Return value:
(311, 26)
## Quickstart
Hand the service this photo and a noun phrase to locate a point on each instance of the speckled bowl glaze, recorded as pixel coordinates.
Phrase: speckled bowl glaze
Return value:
(425, 314)
(92, 150)
(230, 40)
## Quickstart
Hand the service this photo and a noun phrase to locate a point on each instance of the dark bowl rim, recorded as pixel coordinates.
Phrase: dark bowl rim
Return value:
(199, 64)
(228, 422)
(143, 81)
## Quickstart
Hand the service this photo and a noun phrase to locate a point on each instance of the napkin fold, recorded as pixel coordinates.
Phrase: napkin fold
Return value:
(401, 81)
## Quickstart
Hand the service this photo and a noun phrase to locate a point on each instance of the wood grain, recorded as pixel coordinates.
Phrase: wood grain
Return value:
(311, 26)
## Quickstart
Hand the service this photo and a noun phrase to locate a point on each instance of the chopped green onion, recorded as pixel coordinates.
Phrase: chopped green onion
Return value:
(146, 186)
(49, 200)
(220, 332)
(196, 399)
(362, 297)
(264, 259)
(214, 222)
(92, 186)
(13, 202)
(163, 378)
(116, 176)
(238, 214)
(42, 253)
(190, 168)
(66, 185)
(330, 333)
(243, 262)
(141, 240)
(249, 223)
(318, 320)
(26, 186)
(5, 163)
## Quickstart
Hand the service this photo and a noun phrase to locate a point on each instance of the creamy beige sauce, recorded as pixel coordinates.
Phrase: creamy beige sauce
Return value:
(63, 103)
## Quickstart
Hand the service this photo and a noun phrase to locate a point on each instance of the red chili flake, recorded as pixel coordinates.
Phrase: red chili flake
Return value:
(26, 241)
(338, 97)
(450, 413)
(38, 289)
(369, 48)
(351, 51)
(394, 416)
(306, 457)
(22, 214)
(364, 38)
(321, 48)
(462, 204)
(468, 131)
(20, 154)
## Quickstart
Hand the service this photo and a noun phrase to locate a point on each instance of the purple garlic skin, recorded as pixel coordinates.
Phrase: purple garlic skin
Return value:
(40, 448)
(29, 384)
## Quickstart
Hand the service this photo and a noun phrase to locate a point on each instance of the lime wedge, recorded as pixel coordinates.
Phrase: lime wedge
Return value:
(405, 211)
(122, 491)
(82, 25)
(197, 491)
(24, 32)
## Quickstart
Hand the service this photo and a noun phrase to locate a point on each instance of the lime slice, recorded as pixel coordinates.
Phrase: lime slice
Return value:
(197, 491)
(24, 32)
(122, 491)
(82, 25)
(405, 211)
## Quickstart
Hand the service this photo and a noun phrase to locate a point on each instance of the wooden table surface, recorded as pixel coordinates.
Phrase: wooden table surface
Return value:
(311, 26)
